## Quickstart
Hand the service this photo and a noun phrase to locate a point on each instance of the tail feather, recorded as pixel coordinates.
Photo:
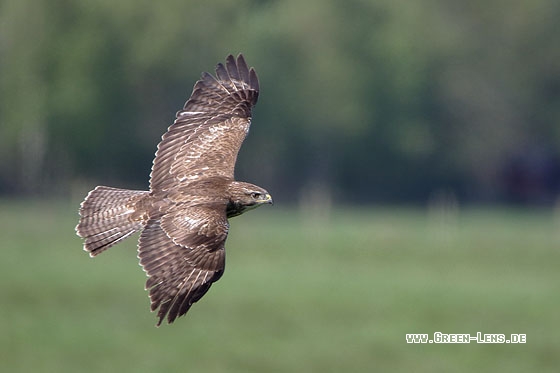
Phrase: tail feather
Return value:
(108, 216)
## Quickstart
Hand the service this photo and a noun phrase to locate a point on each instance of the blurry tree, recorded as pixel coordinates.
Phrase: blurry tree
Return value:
(367, 100)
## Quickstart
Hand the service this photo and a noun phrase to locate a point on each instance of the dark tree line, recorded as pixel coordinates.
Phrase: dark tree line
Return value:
(364, 101)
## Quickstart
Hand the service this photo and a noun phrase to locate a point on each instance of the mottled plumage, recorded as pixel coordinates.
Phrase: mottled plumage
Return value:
(184, 216)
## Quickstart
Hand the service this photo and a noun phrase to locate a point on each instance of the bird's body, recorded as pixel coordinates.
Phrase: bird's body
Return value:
(183, 218)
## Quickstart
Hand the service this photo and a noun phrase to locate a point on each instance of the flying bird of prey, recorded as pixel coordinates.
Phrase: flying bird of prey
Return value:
(183, 218)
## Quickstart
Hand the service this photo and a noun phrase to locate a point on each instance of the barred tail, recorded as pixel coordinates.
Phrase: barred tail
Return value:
(108, 216)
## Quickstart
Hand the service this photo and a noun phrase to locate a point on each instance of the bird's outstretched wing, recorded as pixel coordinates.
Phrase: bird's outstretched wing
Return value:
(182, 253)
(206, 136)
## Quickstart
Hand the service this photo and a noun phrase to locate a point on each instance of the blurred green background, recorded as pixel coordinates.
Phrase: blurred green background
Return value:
(412, 148)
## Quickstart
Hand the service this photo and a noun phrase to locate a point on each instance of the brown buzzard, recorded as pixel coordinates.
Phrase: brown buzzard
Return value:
(184, 216)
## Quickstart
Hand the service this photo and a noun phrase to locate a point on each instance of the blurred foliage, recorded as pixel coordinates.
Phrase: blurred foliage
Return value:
(377, 100)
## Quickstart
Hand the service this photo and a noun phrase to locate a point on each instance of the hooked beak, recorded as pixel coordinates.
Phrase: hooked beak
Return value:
(268, 199)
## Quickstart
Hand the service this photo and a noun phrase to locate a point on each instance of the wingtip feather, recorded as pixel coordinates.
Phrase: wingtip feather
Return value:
(254, 80)
(231, 66)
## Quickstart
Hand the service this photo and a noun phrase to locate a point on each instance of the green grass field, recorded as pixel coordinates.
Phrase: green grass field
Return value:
(298, 295)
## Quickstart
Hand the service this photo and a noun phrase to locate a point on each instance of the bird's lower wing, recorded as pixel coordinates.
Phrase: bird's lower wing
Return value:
(182, 253)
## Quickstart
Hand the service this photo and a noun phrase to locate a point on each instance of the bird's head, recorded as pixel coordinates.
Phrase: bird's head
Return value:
(245, 196)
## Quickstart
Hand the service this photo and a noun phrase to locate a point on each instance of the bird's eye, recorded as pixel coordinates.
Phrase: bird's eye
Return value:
(255, 195)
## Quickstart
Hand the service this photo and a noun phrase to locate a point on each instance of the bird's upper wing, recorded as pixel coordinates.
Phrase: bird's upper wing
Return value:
(182, 253)
(206, 136)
